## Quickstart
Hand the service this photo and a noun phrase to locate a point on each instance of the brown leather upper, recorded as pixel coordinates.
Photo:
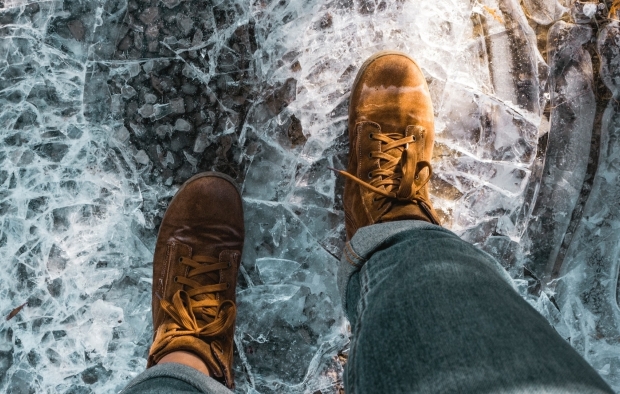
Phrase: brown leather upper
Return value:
(205, 218)
(390, 96)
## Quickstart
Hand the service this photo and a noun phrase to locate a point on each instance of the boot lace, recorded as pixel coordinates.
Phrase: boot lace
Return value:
(398, 176)
(214, 316)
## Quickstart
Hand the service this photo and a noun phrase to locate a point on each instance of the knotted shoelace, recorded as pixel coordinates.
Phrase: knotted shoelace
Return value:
(398, 176)
(198, 300)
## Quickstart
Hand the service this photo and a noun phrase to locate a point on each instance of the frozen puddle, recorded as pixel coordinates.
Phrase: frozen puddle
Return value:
(106, 107)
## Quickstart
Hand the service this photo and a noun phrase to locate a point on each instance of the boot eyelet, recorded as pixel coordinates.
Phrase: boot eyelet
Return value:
(370, 175)
(227, 286)
(229, 264)
(370, 135)
(414, 138)
(370, 155)
(175, 279)
(180, 259)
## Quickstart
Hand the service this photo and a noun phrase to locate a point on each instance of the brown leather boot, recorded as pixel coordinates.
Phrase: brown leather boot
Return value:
(195, 266)
(391, 135)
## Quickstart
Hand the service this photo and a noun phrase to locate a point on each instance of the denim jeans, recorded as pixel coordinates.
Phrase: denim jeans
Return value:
(430, 313)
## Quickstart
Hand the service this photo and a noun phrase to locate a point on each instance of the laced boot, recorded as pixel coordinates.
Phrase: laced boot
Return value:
(195, 266)
(391, 135)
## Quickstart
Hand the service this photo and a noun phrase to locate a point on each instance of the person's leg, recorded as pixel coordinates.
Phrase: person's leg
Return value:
(430, 313)
(195, 266)
(174, 378)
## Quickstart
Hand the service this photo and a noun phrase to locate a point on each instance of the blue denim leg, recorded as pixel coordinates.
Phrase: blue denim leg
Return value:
(431, 313)
(173, 378)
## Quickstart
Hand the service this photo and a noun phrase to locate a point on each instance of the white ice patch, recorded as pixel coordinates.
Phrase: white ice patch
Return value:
(589, 9)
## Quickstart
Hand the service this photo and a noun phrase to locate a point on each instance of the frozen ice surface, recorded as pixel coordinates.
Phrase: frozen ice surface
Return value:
(588, 281)
(568, 145)
(545, 12)
(107, 106)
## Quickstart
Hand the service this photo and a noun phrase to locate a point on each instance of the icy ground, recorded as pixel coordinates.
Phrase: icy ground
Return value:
(107, 106)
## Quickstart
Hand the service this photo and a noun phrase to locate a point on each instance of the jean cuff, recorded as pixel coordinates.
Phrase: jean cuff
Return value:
(366, 241)
(184, 373)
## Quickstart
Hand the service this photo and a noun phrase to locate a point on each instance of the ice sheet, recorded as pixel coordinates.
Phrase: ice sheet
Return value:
(107, 106)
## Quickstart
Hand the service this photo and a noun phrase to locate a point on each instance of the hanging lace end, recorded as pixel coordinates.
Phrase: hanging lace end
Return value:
(362, 183)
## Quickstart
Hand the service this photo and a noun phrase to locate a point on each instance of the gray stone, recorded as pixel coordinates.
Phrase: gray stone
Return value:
(202, 142)
(125, 43)
(190, 104)
(138, 129)
(76, 27)
(182, 125)
(189, 72)
(152, 32)
(171, 161)
(197, 40)
(148, 66)
(149, 15)
(163, 130)
(180, 141)
(138, 40)
(150, 98)
(185, 24)
(128, 92)
(171, 3)
(178, 105)
(162, 110)
(159, 151)
(168, 160)
(170, 40)
(153, 46)
(190, 159)
(146, 111)
(116, 104)
(141, 157)
(121, 134)
(189, 89)
(134, 69)
(184, 43)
